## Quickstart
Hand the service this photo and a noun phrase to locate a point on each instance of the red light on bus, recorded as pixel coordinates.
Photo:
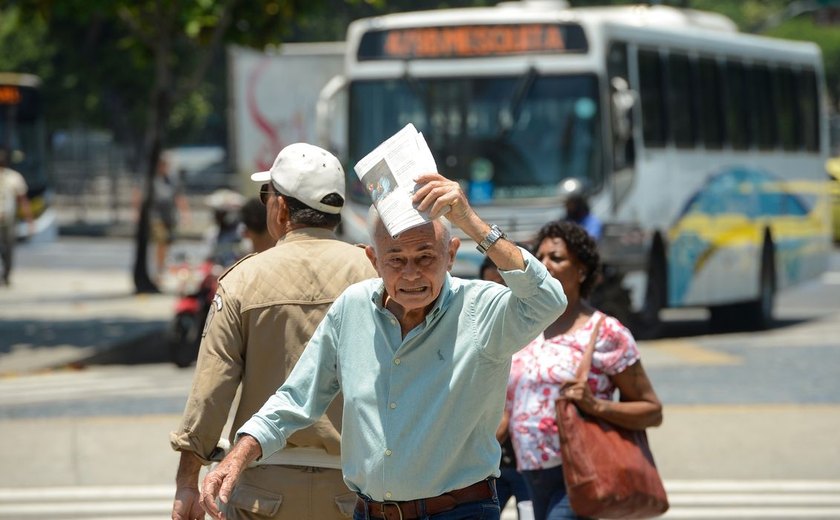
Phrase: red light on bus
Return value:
(9, 95)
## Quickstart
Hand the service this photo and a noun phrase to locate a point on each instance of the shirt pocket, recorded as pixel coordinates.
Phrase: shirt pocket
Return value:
(255, 500)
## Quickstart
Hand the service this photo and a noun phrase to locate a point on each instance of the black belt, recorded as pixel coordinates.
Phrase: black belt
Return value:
(411, 509)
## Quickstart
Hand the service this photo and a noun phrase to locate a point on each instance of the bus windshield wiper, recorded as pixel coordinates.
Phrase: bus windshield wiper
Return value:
(508, 116)
(414, 87)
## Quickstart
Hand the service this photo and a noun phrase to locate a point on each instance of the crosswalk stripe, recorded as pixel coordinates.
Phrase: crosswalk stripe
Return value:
(753, 499)
(96, 383)
(690, 499)
(82, 493)
(791, 513)
(682, 486)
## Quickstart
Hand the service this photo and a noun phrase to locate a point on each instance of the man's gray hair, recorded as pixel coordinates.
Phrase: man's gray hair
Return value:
(374, 222)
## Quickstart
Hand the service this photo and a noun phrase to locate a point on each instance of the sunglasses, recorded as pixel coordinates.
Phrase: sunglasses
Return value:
(267, 190)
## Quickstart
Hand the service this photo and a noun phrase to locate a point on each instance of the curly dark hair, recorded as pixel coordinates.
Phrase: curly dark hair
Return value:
(580, 245)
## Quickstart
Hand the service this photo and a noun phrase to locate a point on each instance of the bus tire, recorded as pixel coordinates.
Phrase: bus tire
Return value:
(755, 314)
(611, 297)
(646, 323)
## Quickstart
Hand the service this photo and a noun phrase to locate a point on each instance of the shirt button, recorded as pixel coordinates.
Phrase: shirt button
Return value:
(392, 405)
(388, 494)
(397, 361)
(393, 321)
(387, 453)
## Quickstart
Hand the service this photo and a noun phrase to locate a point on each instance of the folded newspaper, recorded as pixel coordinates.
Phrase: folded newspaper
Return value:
(388, 174)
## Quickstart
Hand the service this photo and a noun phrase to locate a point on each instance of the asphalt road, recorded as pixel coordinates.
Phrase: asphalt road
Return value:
(749, 432)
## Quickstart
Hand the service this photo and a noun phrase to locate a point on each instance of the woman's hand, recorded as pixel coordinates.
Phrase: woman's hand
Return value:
(581, 394)
(637, 409)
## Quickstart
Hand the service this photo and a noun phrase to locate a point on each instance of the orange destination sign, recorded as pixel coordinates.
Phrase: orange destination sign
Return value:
(471, 41)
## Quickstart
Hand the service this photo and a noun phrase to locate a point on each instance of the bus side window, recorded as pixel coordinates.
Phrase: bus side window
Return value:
(652, 96)
(711, 113)
(786, 109)
(736, 105)
(761, 102)
(808, 110)
(681, 107)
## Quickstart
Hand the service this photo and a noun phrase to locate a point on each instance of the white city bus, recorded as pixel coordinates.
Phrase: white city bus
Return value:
(702, 149)
(22, 133)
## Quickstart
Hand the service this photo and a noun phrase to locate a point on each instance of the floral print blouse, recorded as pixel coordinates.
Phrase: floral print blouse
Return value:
(539, 370)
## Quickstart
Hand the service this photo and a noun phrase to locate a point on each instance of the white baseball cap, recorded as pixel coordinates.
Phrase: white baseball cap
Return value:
(307, 173)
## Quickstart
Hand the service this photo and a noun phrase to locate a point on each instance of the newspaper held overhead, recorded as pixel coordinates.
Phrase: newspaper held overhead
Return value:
(388, 174)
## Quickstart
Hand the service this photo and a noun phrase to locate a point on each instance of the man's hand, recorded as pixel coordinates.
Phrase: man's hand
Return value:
(440, 196)
(187, 504)
(218, 484)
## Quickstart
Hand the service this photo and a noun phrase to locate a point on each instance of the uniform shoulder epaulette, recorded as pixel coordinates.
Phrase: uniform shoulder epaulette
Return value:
(233, 265)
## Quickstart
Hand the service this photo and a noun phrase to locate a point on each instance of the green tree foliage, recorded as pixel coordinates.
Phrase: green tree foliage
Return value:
(828, 39)
(126, 65)
(153, 71)
(24, 46)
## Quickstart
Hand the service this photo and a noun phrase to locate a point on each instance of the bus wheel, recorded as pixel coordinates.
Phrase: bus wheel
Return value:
(646, 323)
(611, 297)
(756, 314)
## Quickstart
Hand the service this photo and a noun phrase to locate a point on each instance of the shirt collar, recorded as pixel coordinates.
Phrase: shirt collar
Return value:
(308, 233)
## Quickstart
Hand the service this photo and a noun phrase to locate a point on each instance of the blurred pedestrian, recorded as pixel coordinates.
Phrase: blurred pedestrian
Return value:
(13, 201)
(169, 208)
(544, 371)
(422, 359)
(224, 239)
(266, 308)
(255, 228)
(577, 211)
(510, 482)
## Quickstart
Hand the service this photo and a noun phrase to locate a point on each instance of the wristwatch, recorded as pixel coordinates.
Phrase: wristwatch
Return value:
(492, 237)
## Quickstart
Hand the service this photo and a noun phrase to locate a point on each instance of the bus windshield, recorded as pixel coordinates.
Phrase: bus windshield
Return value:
(21, 131)
(504, 138)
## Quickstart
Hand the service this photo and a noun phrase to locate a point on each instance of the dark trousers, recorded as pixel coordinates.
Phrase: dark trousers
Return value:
(7, 247)
(548, 494)
(511, 483)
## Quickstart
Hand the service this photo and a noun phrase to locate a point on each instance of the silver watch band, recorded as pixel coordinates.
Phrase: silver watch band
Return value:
(493, 236)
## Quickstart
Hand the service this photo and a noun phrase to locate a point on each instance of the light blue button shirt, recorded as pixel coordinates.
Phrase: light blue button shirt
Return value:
(420, 412)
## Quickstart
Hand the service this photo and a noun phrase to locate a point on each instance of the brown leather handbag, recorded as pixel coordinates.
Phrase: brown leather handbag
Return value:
(609, 470)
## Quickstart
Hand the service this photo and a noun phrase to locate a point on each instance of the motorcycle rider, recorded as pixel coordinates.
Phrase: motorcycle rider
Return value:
(224, 240)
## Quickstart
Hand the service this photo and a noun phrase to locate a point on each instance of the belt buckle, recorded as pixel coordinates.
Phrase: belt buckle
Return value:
(395, 504)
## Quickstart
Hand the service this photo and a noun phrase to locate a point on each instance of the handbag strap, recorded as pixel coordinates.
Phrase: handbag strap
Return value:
(586, 362)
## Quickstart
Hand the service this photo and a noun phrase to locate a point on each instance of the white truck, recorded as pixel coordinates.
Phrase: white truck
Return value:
(273, 98)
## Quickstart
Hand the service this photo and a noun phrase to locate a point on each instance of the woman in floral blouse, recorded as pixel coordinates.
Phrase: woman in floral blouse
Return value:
(544, 371)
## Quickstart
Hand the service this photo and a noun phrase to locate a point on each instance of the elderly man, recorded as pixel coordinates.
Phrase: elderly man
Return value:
(422, 360)
(266, 308)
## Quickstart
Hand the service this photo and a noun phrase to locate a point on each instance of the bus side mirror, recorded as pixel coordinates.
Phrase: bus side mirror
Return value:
(330, 122)
(622, 99)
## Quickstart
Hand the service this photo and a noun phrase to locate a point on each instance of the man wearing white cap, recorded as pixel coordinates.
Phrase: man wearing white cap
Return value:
(266, 308)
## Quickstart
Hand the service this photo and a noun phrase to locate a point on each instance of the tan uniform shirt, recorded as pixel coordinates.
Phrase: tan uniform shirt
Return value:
(267, 306)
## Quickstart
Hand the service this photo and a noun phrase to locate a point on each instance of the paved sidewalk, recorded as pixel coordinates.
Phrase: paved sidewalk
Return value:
(55, 317)
(50, 318)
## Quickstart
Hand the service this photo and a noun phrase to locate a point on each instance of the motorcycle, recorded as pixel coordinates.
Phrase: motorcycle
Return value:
(196, 289)
(196, 284)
